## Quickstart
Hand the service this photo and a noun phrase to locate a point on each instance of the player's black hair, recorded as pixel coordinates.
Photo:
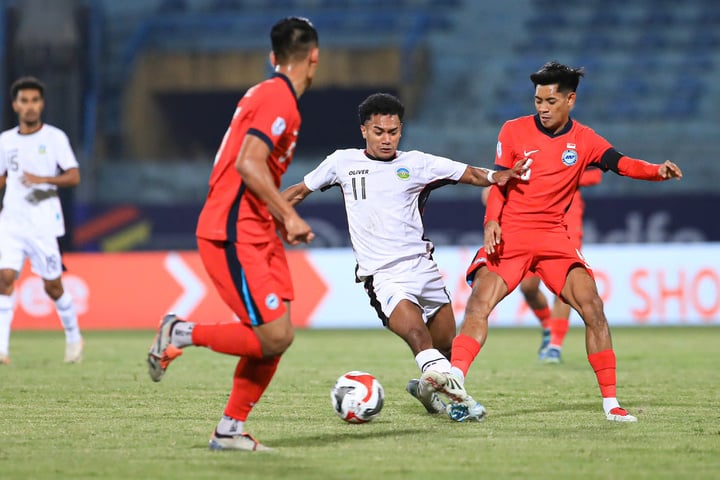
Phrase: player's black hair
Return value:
(292, 39)
(554, 72)
(382, 104)
(26, 83)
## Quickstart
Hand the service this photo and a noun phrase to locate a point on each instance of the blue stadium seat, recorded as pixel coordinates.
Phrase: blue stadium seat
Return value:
(659, 18)
(172, 6)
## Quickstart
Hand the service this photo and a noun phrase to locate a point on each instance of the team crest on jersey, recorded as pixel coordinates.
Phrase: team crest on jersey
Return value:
(42, 149)
(272, 301)
(278, 126)
(402, 173)
(569, 157)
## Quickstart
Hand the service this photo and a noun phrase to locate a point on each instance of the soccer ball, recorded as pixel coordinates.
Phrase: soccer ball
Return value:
(357, 397)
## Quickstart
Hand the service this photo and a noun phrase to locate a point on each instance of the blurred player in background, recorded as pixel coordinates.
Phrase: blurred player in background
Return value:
(238, 239)
(35, 160)
(533, 237)
(385, 191)
(555, 323)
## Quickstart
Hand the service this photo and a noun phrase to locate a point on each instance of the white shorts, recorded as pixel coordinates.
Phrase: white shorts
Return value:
(415, 279)
(43, 252)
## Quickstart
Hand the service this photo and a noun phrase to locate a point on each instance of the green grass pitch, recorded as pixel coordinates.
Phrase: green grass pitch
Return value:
(105, 419)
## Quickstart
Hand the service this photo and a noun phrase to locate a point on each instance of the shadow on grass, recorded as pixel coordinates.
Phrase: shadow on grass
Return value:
(588, 407)
(324, 439)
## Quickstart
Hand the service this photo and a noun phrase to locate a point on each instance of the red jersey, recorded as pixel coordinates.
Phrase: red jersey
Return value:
(269, 110)
(574, 214)
(559, 161)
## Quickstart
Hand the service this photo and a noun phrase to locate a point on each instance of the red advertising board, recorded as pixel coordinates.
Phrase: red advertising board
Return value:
(134, 290)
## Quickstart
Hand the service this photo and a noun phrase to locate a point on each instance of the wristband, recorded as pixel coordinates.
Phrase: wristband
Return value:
(490, 174)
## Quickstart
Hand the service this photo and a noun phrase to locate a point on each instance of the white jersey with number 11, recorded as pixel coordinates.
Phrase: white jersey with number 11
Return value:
(383, 201)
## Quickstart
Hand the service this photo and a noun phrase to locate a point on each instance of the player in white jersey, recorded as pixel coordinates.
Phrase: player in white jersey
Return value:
(384, 192)
(35, 159)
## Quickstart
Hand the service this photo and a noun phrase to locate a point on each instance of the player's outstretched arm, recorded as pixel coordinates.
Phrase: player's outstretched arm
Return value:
(482, 177)
(295, 194)
(639, 169)
(520, 170)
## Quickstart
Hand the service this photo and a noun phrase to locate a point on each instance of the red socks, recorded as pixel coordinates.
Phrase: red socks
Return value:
(252, 376)
(233, 338)
(558, 329)
(543, 314)
(604, 365)
(464, 351)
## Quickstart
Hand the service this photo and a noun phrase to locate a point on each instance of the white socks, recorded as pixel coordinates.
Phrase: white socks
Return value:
(68, 317)
(432, 359)
(181, 335)
(609, 403)
(7, 307)
(457, 373)
(230, 426)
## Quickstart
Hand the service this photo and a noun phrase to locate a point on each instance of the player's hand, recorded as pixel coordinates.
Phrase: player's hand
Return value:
(669, 170)
(28, 179)
(520, 170)
(297, 231)
(492, 236)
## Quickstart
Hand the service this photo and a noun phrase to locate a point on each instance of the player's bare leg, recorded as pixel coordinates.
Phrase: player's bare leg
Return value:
(406, 321)
(443, 328)
(581, 293)
(488, 290)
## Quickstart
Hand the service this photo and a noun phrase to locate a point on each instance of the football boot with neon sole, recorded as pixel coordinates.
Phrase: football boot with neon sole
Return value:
(162, 351)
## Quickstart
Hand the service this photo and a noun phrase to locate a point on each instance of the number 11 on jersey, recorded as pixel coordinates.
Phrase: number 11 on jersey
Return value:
(362, 188)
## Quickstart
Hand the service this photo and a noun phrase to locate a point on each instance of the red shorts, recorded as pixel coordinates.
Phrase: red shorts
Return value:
(252, 279)
(574, 224)
(550, 254)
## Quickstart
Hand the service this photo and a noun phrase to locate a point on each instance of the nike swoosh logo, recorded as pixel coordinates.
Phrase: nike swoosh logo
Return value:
(526, 153)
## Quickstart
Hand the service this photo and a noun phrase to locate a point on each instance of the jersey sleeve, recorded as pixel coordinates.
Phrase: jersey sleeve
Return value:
(272, 112)
(596, 145)
(495, 203)
(441, 168)
(324, 175)
(65, 156)
(505, 150)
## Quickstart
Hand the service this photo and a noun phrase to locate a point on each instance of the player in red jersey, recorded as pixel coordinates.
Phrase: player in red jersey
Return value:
(525, 231)
(555, 322)
(238, 239)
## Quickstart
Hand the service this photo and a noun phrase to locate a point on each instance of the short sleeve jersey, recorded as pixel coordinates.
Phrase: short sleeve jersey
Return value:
(384, 200)
(269, 110)
(42, 153)
(559, 161)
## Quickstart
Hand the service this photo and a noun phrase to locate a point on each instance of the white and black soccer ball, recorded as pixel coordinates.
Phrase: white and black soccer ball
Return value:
(357, 397)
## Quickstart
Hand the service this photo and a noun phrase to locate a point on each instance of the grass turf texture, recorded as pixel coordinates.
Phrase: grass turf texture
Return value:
(105, 419)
